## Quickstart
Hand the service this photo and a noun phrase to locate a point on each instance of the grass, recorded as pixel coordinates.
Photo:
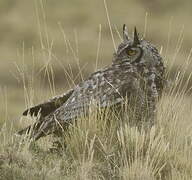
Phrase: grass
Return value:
(95, 149)
(98, 150)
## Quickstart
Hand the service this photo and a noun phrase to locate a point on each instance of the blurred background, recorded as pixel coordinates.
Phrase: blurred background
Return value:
(45, 45)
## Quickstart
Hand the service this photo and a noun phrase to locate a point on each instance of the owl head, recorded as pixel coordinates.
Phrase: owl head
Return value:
(138, 52)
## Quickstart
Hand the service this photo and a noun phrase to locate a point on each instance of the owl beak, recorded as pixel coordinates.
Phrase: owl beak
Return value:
(135, 38)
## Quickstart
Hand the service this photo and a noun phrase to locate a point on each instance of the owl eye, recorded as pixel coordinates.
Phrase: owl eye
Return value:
(131, 52)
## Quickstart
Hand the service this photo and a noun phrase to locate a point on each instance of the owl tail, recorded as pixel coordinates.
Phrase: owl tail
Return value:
(31, 131)
(39, 129)
(24, 131)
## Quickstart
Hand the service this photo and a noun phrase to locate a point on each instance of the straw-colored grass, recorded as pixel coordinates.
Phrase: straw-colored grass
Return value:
(95, 147)
(104, 147)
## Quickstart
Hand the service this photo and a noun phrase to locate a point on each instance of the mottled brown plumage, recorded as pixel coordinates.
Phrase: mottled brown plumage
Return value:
(136, 72)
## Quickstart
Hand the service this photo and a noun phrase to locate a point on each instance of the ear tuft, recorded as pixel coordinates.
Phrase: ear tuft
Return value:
(125, 33)
(136, 40)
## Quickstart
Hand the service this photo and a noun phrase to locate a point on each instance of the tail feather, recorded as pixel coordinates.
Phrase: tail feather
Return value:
(30, 130)
(25, 130)
(43, 128)
(37, 130)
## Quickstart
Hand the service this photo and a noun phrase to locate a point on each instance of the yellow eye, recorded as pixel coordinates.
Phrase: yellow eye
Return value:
(131, 52)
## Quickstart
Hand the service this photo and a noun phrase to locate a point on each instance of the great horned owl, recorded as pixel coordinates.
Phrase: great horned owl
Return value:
(137, 70)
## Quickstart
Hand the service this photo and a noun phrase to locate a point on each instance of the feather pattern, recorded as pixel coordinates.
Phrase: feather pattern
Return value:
(137, 70)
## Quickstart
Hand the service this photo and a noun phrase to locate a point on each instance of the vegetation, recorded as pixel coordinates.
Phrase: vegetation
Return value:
(45, 48)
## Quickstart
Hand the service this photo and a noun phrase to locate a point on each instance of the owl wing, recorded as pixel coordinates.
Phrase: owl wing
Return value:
(49, 106)
(101, 89)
